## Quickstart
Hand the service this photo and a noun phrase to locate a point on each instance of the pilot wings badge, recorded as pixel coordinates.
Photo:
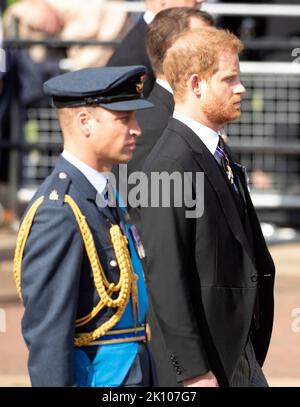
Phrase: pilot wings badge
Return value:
(139, 87)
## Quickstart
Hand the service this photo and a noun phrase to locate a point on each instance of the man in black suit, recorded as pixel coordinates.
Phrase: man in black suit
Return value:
(209, 271)
(165, 25)
(132, 49)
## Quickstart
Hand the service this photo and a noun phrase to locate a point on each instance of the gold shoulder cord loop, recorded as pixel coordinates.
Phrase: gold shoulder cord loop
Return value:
(105, 289)
(21, 241)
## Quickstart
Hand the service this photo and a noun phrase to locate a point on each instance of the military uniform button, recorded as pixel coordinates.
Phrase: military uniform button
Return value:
(113, 263)
(62, 175)
(254, 278)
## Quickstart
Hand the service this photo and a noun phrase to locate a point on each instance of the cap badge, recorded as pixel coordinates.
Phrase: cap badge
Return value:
(139, 87)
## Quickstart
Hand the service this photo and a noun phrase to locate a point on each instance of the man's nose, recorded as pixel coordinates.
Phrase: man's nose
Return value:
(135, 129)
(240, 88)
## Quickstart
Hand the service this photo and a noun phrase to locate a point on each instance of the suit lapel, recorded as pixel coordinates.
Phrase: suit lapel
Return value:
(241, 181)
(218, 182)
(238, 172)
(104, 208)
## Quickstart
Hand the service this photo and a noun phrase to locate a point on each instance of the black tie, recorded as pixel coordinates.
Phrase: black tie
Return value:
(224, 161)
(110, 196)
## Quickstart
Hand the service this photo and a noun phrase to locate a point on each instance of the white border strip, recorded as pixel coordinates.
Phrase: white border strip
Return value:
(257, 9)
(232, 9)
(274, 200)
(248, 67)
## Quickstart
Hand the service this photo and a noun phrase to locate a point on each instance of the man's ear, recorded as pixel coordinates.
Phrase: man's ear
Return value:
(195, 84)
(84, 122)
(163, 4)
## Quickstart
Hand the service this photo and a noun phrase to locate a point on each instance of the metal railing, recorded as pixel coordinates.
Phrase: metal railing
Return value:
(258, 9)
(234, 9)
(267, 136)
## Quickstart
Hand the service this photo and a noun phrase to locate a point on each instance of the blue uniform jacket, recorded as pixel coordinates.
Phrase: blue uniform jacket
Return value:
(57, 282)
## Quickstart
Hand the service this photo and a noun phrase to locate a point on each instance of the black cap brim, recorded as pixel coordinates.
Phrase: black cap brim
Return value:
(128, 105)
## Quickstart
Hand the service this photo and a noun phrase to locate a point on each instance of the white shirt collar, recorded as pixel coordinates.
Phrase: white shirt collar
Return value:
(208, 136)
(148, 16)
(97, 179)
(164, 84)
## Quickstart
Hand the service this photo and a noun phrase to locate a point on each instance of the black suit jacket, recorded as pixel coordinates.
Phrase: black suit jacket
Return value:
(204, 274)
(132, 51)
(152, 123)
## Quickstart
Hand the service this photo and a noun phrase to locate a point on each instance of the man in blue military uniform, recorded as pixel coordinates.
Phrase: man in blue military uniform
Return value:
(76, 264)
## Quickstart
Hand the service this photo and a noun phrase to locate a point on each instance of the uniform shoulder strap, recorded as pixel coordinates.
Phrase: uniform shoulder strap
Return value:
(57, 189)
(54, 195)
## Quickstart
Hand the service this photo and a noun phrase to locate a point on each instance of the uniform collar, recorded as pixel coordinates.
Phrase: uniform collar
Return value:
(208, 136)
(97, 179)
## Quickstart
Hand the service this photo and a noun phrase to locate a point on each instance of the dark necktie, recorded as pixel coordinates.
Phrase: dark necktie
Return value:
(224, 161)
(110, 197)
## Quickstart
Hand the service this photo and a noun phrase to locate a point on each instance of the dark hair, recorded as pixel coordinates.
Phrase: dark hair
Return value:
(165, 25)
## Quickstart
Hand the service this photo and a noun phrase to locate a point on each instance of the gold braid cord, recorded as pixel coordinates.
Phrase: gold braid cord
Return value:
(105, 289)
(21, 241)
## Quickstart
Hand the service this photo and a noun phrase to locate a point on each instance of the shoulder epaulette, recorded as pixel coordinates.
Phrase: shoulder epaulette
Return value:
(57, 189)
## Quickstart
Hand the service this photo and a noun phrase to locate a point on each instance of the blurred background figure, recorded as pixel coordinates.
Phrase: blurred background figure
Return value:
(68, 20)
(27, 68)
(132, 49)
(245, 27)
